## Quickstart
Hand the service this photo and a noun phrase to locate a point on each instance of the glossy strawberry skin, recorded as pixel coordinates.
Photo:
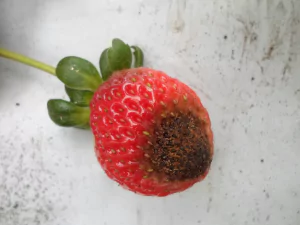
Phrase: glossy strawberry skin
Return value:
(124, 111)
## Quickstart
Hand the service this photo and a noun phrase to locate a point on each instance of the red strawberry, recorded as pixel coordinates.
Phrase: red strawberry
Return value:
(152, 134)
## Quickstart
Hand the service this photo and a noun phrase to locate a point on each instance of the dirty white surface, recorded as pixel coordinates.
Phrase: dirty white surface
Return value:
(242, 58)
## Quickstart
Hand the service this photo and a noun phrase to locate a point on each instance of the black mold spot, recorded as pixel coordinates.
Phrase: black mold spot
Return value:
(181, 148)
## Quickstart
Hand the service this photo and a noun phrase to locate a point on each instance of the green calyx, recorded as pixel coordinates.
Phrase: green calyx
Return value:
(139, 56)
(81, 79)
(78, 74)
(68, 114)
(115, 58)
(78, 97)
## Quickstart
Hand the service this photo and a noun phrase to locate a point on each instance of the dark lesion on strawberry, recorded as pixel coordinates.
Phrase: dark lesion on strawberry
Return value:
(181, 148)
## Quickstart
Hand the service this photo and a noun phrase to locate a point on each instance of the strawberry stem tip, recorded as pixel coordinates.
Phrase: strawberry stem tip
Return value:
(26, 60)
(81, 79)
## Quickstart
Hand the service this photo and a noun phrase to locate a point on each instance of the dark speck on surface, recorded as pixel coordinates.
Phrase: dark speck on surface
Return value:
(225, 37)
(209, 205)
(262, 160)
(120, 9)
(252, 78)
(139, 216)
(267, 195)
(16, 205)
(17, 104)
(268, 218)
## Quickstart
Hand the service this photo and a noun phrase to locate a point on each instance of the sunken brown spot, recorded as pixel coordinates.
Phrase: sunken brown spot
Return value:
(181, 148)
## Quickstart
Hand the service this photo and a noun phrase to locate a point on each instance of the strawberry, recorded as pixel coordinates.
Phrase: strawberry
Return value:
(152, 134)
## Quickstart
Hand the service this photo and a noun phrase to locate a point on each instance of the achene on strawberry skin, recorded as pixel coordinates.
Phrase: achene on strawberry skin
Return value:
(152, 134)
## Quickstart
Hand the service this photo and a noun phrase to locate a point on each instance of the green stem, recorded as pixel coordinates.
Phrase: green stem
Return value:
(26, 60)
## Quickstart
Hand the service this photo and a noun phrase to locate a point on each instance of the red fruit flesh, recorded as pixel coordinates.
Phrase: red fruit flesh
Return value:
(152, 134)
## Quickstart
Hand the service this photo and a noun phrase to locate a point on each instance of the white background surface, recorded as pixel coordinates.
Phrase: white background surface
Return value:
(241, 57)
